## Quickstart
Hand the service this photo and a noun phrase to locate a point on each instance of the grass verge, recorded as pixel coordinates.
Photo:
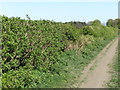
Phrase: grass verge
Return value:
(114, 81)
(71, 64)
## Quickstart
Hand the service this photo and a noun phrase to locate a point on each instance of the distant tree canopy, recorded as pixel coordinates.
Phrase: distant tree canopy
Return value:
(78, 24)
(95, 22)
(113, 23)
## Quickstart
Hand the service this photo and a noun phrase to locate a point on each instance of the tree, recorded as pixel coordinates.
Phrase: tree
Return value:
(95, 22)
(109, 22)
(113, 23)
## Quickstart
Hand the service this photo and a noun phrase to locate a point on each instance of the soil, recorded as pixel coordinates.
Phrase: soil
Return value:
(96, 74)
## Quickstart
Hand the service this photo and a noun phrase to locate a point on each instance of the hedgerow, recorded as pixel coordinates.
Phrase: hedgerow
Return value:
(34, 50)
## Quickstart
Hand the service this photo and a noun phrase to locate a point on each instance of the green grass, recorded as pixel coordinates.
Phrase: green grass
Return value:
(114, 81)
(64, 72)
(70, 66)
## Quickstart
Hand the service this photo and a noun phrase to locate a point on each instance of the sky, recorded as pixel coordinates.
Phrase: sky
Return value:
(61, 11)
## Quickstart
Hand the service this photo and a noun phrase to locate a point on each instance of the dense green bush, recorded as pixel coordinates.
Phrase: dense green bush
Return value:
(31, 48)
(21, 78)
(30, 43)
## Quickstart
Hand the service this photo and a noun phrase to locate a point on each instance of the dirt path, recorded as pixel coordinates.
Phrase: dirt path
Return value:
(96, 73)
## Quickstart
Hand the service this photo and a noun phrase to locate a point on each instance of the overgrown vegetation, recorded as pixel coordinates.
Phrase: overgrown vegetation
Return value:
(114, 82)
(43, 53)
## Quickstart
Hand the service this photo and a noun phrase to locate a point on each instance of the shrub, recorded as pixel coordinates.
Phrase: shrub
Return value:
(36, 45)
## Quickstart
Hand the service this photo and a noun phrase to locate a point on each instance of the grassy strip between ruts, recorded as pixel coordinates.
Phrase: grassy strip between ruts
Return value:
(114, 81)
